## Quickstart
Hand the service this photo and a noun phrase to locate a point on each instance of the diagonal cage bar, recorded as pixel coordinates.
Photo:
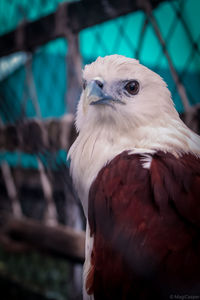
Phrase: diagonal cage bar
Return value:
(180, 87)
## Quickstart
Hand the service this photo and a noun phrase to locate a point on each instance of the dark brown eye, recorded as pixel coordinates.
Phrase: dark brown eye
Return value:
(132, 87)
(84, 84)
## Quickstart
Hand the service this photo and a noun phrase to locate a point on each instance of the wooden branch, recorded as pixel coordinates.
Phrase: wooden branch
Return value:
(61, 241)
(73, 17)
(11, 246)
(33, 135)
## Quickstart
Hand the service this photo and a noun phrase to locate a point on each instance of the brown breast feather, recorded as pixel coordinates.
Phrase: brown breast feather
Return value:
(146, 228)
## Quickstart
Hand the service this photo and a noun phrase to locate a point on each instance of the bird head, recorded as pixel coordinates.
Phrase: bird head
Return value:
(119, 91)
(124, 106)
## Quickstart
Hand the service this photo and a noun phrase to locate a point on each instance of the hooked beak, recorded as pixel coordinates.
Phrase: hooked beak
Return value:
(95, 95)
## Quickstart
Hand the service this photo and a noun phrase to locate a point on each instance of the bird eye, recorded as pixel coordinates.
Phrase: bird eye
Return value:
(132, 87)
(99, 83)
(84, 84)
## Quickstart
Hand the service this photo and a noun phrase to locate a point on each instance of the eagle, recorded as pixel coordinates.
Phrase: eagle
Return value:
(136, 168)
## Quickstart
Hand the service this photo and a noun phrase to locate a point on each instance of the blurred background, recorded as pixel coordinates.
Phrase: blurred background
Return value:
(44, 44)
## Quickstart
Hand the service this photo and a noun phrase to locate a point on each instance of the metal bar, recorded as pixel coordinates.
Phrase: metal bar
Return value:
(11, 189)
(74, 67)
(50, 215)
(141, 39)
(180, 87)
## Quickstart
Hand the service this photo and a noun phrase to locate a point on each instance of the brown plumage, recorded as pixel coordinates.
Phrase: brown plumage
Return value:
(146, 228)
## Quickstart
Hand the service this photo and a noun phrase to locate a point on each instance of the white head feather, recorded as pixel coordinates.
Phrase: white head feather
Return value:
(145, 123)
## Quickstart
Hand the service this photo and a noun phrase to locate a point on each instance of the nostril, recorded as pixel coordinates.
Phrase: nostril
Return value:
(99, 83)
